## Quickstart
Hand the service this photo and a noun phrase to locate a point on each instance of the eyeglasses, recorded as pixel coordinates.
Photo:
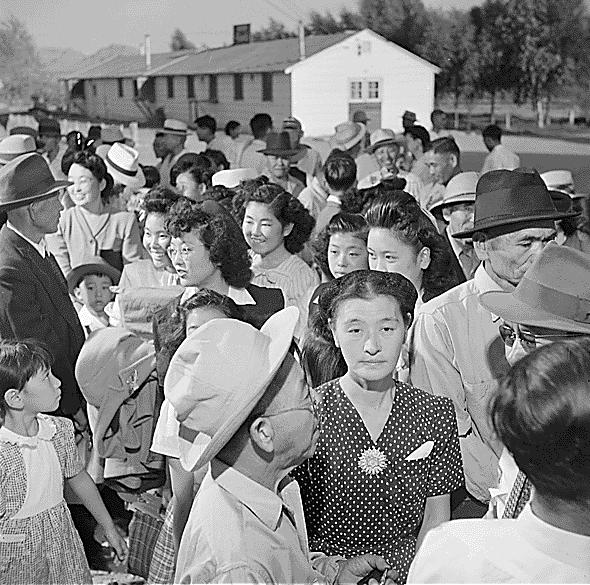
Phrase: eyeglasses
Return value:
(527, 339)
(312, 405)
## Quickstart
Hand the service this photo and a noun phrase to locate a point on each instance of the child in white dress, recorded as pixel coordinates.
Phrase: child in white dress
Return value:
(38, 540)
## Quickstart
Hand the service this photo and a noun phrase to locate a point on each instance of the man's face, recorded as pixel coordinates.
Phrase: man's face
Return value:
(278, 166)
(48, 143)
(489, 142)
(205, 134)
(441, 166)
(45, 214)
(386, 156)
(159, 146)
(459, 217)
(509, 256)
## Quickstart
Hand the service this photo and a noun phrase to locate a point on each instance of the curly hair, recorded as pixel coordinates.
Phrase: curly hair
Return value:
(341, 223)
(321, 358)
(160, 199)
(91, 161)
(220, 235)
(286, 208)
(399, 211)
(200, 171)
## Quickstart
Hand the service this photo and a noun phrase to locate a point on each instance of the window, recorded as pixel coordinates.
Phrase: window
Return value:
(373, 93)
(267, 87)
(213, 89)
(120, 86)
(170, 84)
(94, 89)
(356, 90)
(135, 88)
(365, 90)
(190, 86)
(238, 87)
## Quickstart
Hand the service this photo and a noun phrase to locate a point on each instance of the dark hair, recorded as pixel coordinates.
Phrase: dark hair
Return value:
(340, 170)
(75, 140)
(434, 114)
(91, 161)
(199, 173)
(94, 132)
(492, 131)
(446, 145)
(541, 413)
(19, 362)
(160, 199)
(260, 124)
(220, 235)
(231, 125)
(221, 194)
(420, 133)
(400, 212)
(217, 158)
(207, 122)
(318, 345)
(341, 223)
(152, 176)
(202, 298)
(286, 208)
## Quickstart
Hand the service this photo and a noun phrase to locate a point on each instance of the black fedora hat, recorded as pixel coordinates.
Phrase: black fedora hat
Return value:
(279, 144)
(27, 179)
(511, 198)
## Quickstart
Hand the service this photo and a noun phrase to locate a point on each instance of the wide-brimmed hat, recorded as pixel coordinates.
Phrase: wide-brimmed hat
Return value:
(279, 144)
(360, 117)
(511, 198)
(218, 375)
(553, 293)
(113, 363)
(231, 178)
(460, 189)
(15, 145)
(176, 127)
(24, 130)
(123, 165)
(111, 135)
(562, 180)
(49, 127)
(347, 135)
(91, 265)
(382, 137)
(102, 150)
(26, 179)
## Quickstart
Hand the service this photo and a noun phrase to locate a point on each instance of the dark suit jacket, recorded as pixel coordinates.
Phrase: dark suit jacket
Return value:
(34, 303)
(455, 267)
(268, 302)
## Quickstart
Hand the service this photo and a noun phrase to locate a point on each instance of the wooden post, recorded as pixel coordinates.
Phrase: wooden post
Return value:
(508, 120)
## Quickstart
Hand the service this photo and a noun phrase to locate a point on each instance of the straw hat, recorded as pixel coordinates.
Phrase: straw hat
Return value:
(553, 293)
(218, 375)
(15, 145)
(26, 179)
(175, 127)
(561, 180)
(231, 178)
(123, 165)
(382, 137)
(102, 150)
(347, 135)
(460, 189)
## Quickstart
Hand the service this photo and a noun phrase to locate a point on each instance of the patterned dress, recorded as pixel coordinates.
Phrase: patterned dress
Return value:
(38, 540)
(361, 496)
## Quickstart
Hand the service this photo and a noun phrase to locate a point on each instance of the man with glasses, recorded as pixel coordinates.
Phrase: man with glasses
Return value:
(243, 389)
(551, 303)
(455, 346)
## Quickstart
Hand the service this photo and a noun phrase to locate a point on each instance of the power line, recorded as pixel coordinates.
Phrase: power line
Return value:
(282, 10)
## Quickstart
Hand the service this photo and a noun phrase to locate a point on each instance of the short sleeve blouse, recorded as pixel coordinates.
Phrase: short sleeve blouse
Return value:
(361, 496)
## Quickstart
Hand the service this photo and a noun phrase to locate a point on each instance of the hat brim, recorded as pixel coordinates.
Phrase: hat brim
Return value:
(509, 221)
(381, 143)
(284, 153)
(352, 142)
(505, 305)
(46, 194)
(135, 182)
(171, 131)
(463, 198)
(9, 157)
(280, 327)
(77, 274)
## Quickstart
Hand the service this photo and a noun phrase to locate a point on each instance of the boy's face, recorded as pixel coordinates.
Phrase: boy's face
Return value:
(94, 292)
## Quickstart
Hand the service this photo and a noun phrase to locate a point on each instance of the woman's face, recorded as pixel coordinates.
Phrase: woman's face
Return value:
(387, 253)
(370, 334)
(156, 239)
(191, 260)
(86, 188)
(198, 317)
(262, 230)
(188, 187)
(346, 253)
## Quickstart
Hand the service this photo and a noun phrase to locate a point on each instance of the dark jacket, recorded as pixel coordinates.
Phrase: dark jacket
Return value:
(455, 267)
(34, 303)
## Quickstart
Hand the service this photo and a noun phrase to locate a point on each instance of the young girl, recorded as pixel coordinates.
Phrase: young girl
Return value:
(200, 308)
(38, 541)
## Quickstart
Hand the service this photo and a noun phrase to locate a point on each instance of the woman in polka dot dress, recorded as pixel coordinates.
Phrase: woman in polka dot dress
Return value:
(388, 455)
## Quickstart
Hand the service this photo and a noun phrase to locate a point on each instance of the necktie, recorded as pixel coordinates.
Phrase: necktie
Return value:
(519, 495)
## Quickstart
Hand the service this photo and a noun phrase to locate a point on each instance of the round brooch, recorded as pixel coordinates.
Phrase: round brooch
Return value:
(372, 461)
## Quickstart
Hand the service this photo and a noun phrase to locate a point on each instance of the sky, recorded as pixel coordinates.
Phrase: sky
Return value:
(88, 25)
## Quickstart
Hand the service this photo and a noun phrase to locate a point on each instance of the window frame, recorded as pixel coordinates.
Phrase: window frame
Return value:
(238, 87)
(365, 89)
(170, 86)
(267, 86)
(213, 89)
(120, 87)
(190, 86)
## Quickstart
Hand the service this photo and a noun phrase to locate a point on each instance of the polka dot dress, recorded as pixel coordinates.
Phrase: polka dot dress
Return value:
(361, 496)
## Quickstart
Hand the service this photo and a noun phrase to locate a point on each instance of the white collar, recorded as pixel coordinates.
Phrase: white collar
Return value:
(334, 199)
(240, 296)
(40, 247)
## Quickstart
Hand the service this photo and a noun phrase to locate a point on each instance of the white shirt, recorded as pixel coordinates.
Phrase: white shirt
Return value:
(524, 550)
(39, 246)
(500, 158)
(89, 321)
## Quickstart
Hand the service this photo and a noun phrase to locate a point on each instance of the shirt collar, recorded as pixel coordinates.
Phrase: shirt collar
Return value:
(40, 246)
(264, 504)
(240, 296)
(484, 282)
(333, 199)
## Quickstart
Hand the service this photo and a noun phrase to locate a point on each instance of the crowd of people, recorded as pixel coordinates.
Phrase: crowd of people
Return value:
(251, 364)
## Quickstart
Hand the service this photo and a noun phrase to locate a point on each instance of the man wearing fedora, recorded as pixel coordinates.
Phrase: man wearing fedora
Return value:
(455, 211)
(246, 524)
(174, 134)
(34, 299)
(455, 347)
(349, 137)
(307, 163)
(278, 152)
(15, 145)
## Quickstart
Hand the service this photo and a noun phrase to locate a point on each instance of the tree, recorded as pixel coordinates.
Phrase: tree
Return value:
(179, 42)
(274, 30)
(327, 23)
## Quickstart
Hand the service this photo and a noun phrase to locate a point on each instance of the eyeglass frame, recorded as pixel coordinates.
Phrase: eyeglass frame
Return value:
(528, 340)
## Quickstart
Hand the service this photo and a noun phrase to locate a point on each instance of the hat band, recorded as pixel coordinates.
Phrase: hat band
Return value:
(554, 301)
(39, 188)
(121, 169)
